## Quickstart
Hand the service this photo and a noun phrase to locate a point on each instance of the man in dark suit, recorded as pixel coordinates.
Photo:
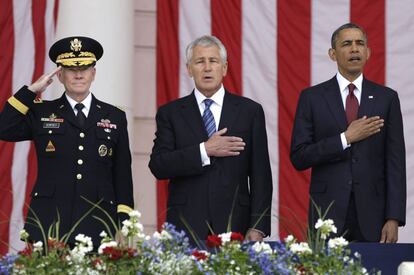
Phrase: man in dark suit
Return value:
(81, 144)
(349, 131)
(216, 177)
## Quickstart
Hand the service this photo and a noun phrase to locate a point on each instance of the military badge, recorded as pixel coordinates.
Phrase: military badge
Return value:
(52, 118)
(50, 147)
(106, 123)
(110, 152)
(102, 150)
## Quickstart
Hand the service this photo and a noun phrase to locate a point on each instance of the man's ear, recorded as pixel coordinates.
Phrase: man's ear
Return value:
(189, 71)
(332, 54)
(368, 53)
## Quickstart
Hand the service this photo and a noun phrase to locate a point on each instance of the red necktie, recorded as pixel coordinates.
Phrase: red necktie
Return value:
(351, 105)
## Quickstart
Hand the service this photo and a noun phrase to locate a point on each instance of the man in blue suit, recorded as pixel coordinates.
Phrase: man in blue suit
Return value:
(349, 130)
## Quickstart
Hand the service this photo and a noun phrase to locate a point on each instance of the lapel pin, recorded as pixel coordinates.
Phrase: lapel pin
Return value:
(370, 96)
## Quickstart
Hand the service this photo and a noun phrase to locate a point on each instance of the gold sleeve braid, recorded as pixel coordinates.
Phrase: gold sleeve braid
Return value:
(122, 208)
(18, 105)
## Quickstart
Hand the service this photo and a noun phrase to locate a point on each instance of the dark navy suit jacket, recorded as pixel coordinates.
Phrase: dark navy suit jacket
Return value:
(374, 168)
(231, 188)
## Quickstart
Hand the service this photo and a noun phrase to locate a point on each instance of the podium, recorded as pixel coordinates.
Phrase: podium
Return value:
(384, 257)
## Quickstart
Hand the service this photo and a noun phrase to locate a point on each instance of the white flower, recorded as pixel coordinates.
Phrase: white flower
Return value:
(357, 255)
(23, 234)
(262, 247)
(38, 246)
(135, 213)
(289, 239)
(107, 244)
(300, 248)
(225, 237)
(337, 242)
(326, 227)
(165, 235)
(103, 234)
(127, 223)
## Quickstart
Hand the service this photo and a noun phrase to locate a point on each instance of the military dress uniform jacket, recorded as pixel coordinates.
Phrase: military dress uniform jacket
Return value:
(74, 164)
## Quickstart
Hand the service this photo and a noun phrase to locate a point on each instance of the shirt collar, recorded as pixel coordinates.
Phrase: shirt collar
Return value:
(86, 102)
(343, 82)
(217, 97)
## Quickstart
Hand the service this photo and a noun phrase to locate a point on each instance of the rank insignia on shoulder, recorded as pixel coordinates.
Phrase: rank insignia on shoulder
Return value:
(50, 147)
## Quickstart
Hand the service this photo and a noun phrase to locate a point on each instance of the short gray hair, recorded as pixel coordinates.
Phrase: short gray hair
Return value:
(205, 41)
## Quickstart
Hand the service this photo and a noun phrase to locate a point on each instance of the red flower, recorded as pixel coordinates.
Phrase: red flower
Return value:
(199, 255)
(54, 244)
(27, 251)
(213, 241)
(96, 262)
(131, 252)
(236, 236)
(113, 253)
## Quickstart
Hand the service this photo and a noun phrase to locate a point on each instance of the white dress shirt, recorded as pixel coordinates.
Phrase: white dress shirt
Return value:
(343, 88)
(86, 102)
(215, 108)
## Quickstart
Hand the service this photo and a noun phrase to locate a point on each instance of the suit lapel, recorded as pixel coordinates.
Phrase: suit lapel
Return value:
(367, 99)
(191, 114)
(229, 111)
(333, 97)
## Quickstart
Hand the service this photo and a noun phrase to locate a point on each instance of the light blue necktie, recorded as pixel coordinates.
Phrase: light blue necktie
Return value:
(208, 118)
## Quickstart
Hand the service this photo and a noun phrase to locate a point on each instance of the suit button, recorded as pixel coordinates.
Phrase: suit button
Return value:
(80, 148)
(109, 137)
(82, 135)
(50, 131)
(80, 162)
(35, 194)
(79, 176)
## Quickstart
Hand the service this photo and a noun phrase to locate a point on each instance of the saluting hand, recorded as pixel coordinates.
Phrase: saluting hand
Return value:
(362, 128)
(224, 146)
(44, 81)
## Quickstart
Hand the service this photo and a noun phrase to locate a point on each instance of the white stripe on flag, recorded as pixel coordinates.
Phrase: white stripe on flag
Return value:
(23, 64)
(325, 19)
(259, 78)
(194, 21)
(399, 26)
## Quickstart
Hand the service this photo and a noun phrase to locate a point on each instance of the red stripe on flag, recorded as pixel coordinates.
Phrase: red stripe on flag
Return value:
(293, 56)
(167, 76)
(371, 16)
(227, 26)
(6, 149)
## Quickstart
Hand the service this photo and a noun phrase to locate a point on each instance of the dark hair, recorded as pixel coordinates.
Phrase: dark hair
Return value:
(335, 34)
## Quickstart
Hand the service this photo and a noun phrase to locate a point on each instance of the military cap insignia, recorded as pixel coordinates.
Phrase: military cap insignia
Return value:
(102, 150)
(50, 147)
(76, 45)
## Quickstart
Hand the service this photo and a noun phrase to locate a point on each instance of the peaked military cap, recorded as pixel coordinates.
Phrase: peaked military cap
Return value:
(75, 51)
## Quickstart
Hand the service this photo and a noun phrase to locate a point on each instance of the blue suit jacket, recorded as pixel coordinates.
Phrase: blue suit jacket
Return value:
(374, 167)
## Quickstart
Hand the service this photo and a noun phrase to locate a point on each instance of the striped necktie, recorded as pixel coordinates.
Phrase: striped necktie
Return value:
(208, 118)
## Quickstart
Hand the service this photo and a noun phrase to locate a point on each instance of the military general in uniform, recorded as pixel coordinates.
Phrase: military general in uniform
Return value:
(82, 146)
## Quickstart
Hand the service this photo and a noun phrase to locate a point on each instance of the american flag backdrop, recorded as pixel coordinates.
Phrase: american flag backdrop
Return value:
(276, 48)
(26, 33)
